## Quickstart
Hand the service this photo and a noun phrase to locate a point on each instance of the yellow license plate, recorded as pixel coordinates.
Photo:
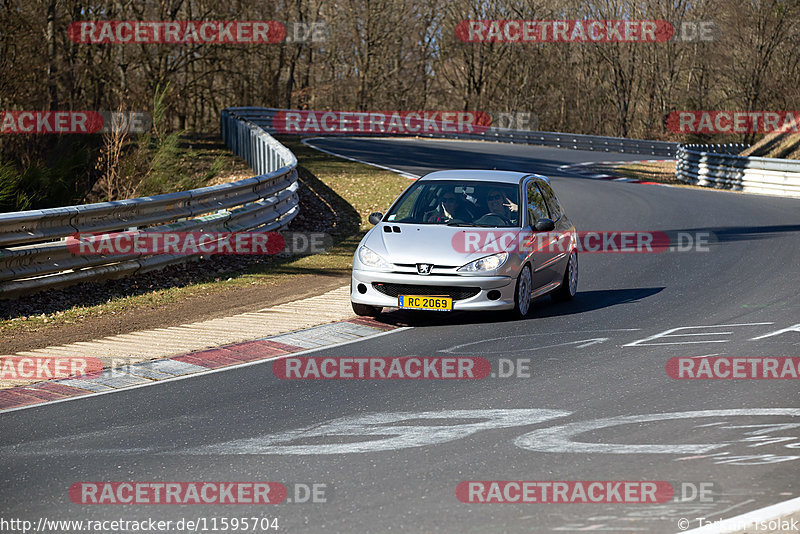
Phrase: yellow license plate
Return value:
(416, 302)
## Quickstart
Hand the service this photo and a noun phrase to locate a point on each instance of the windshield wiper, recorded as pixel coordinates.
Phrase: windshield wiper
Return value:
(476, 225)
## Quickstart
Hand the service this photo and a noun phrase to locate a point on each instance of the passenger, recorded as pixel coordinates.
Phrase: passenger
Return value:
(500, 204)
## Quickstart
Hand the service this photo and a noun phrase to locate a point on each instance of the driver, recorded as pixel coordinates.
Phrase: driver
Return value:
(446, 210)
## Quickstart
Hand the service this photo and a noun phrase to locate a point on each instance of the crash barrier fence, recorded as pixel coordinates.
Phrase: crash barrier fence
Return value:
(720, 167)
(264, 117)
(34, 253)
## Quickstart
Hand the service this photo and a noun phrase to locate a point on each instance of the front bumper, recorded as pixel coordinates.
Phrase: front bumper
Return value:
(363, 292)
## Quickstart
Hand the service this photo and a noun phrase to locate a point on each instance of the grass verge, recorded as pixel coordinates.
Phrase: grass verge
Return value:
(662, 172)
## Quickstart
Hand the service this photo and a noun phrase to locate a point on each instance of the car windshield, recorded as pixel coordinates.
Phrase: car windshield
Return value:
(457, 203)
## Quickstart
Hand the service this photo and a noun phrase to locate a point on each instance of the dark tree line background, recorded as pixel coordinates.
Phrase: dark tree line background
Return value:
(395, 55)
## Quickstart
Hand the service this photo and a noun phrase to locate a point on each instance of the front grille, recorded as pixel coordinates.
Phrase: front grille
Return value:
(438, 270)
(414, 266)
(454, 292)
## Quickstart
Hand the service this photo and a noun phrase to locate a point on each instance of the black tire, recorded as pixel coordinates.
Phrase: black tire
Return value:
(569, 286)
(365, 310)
(521, 308)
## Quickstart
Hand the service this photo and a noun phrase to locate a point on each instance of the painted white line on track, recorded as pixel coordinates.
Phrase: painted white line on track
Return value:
(203, 373)
(741, 522)
(384, 167)
(489, 340)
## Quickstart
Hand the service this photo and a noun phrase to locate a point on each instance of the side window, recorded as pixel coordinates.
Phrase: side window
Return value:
(552, 201)
(537, 209)
(404, 210)
(426, 201)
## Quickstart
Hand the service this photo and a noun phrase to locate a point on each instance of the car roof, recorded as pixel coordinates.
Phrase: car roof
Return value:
(508, 177)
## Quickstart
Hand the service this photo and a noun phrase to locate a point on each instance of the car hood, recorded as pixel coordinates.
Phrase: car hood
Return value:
(432, 243)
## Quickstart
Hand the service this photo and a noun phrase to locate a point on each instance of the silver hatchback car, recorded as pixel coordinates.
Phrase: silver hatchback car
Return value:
(467, 240)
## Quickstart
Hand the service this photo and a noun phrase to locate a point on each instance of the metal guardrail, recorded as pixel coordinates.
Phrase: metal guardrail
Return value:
(263, 117)
(33, 246)
(718, 166)
(730, 148)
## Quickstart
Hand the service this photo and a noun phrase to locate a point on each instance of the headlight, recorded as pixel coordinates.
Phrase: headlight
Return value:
(488, 263)
(372, 259)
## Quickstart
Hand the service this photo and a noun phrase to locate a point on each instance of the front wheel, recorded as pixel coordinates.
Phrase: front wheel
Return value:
(523, 292)
(365, 310)
(569, 285)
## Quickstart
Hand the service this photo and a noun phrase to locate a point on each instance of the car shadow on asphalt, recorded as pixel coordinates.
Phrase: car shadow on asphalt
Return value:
(584, 301)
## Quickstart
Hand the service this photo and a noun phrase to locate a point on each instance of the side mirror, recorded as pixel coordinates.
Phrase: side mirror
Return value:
(375, 218)
(545, 225)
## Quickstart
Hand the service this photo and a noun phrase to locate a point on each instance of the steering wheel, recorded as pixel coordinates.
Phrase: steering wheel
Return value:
(489, 218)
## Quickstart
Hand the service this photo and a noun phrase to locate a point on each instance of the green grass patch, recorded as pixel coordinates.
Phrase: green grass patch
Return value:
(367, 189)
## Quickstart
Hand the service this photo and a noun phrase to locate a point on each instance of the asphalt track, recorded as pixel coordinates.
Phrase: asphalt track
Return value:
(590, 361)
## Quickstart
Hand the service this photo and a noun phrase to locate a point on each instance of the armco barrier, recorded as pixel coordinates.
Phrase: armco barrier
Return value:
(263, 118)
(715, 166)
(33, 248)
